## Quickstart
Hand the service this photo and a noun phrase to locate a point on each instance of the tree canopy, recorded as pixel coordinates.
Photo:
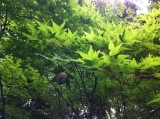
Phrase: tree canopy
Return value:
(76, 59)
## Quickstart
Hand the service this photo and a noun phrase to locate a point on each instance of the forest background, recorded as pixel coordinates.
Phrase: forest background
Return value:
(110, 56)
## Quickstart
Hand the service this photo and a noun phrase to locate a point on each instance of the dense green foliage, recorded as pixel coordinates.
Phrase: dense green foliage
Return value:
(112, 64)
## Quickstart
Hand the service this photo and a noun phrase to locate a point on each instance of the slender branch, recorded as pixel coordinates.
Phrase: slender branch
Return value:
(91, 97)
(5, 21)
(29, 17)
(102, 109)
(95, 86)
(3, 99)
(123, 101)
(80, 94)
(68, 104)
(60, 106)
(122, 97)
(6, 18)
(1, 85)
(81, 75)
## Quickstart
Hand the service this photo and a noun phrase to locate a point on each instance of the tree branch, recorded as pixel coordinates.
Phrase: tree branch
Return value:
(5, 21)
(95, 86)
(152, 113)
(3, 99)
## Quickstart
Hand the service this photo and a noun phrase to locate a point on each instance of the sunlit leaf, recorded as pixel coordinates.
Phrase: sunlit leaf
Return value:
(111, 45)
(156, 100)
(115, 50)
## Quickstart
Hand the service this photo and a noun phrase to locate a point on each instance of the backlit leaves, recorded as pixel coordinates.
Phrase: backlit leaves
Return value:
(156, 100)
(150, 62)
(114, 50)
(91, 59)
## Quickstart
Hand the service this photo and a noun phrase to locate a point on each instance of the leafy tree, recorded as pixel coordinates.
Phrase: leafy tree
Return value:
(109, 65)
